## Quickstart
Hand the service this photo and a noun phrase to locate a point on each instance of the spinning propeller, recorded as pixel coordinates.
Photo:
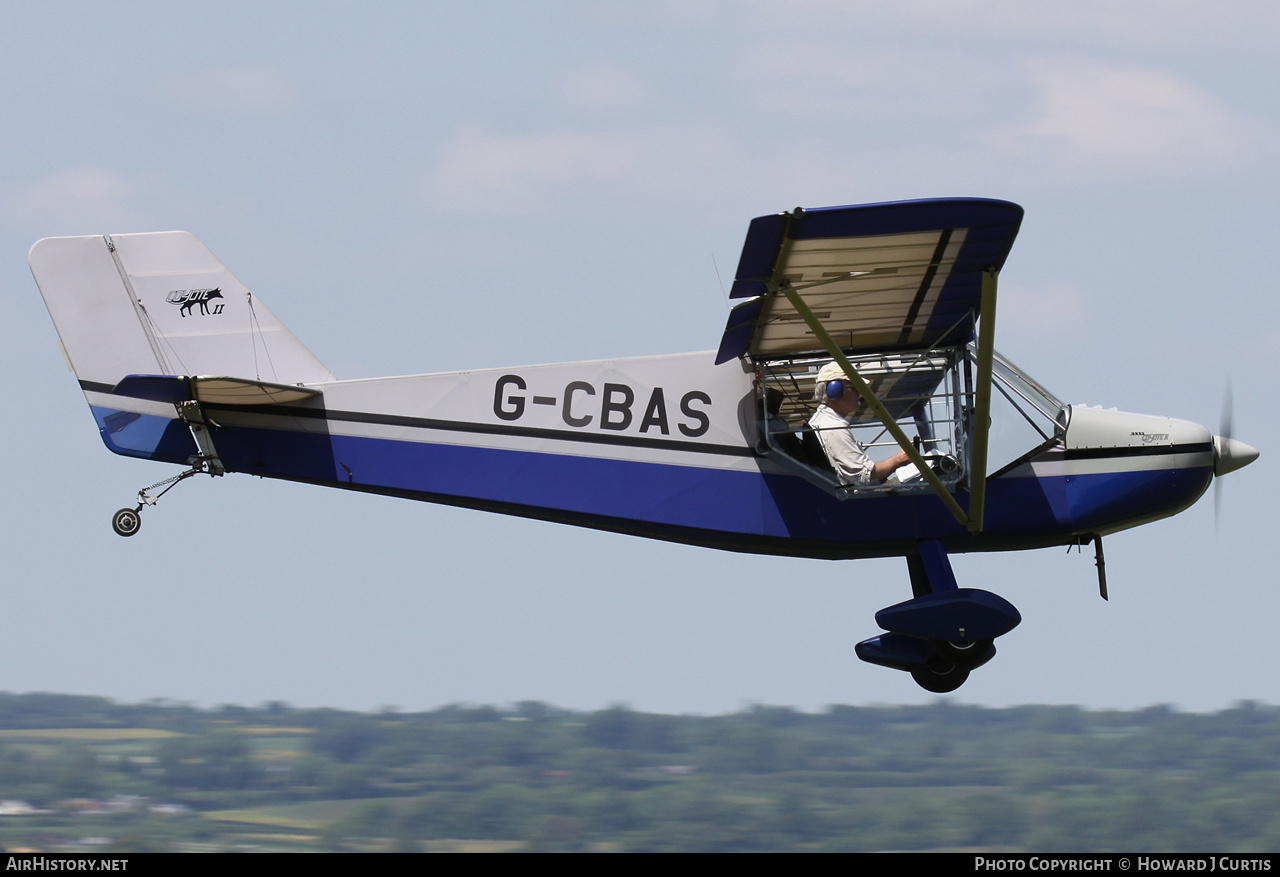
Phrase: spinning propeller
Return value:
(1228, 453)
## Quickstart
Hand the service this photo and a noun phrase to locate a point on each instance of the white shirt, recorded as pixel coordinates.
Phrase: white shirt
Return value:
(847, 457)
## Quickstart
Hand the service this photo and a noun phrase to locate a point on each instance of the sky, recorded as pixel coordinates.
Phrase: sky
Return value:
(431, 186)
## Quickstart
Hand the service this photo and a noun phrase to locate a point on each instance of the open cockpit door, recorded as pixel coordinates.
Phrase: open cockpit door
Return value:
(905, 281)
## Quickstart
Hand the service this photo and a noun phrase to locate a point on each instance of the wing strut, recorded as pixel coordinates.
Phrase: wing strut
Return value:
(982, 403)
(869, 397)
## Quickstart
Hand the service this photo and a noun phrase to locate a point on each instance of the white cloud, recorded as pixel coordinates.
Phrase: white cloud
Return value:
(1104, 117)
(76, 200)
(246, 88)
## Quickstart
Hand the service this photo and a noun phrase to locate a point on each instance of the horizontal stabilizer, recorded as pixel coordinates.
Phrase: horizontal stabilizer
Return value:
(215, 390)
(157, 388)
(239, 391)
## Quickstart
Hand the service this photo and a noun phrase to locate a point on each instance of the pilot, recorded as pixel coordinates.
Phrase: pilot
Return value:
(831, 424)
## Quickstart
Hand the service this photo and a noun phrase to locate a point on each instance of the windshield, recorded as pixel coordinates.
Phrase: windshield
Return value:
(1026, 386)
(1024, 415)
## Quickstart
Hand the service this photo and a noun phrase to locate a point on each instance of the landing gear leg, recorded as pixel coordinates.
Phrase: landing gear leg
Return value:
(126, 522)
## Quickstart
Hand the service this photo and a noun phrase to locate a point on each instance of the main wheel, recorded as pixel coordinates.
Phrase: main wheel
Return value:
(126, 522)
(940, 682)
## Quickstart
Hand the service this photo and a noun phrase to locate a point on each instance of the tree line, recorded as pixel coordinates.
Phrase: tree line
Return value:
(533, 776)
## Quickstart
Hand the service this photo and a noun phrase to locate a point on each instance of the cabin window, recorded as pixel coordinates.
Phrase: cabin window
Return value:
(930, 395)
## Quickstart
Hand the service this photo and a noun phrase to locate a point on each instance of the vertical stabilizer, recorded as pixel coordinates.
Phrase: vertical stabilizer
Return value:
(161, 303)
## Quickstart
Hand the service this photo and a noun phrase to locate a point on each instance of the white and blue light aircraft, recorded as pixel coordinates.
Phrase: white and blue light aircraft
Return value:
(182, 364)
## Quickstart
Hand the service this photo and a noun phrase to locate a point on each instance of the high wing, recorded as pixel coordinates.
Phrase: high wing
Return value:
(899, 276)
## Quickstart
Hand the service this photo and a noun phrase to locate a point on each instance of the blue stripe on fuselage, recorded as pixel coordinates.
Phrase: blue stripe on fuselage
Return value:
(1106, 500)
(685, 503)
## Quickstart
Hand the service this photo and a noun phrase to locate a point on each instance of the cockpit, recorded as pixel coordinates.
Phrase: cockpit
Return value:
(904, 293)
(930, 394)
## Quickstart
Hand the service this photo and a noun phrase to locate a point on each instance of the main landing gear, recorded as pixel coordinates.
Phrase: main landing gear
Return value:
(127, 522)
(942, 633)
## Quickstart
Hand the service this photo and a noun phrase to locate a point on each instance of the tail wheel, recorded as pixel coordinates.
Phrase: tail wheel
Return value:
(126, 522)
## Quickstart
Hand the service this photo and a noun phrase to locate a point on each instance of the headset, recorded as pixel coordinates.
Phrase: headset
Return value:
(835, 389)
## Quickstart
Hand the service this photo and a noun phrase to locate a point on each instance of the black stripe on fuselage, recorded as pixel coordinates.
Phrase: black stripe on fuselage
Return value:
(1140, 451)
(490, 429)
(464, 426)
(1047, 452)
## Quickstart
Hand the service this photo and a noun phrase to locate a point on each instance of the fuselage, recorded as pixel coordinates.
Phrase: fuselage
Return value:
(667, 447)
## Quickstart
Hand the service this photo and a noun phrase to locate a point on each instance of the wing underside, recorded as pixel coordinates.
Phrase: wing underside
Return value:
(896, 277)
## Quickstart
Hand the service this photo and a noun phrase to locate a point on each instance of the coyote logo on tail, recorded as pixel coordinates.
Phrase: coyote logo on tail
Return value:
(189, 298)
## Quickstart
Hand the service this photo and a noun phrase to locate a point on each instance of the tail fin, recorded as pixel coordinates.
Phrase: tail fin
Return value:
(161, 303)
(158, 304)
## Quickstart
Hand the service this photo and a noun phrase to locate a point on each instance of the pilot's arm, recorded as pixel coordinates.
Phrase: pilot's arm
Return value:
(882, 470)
(851, 462)
(847, 457)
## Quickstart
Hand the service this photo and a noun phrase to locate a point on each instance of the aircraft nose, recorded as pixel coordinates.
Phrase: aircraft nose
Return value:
(1231, 454)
